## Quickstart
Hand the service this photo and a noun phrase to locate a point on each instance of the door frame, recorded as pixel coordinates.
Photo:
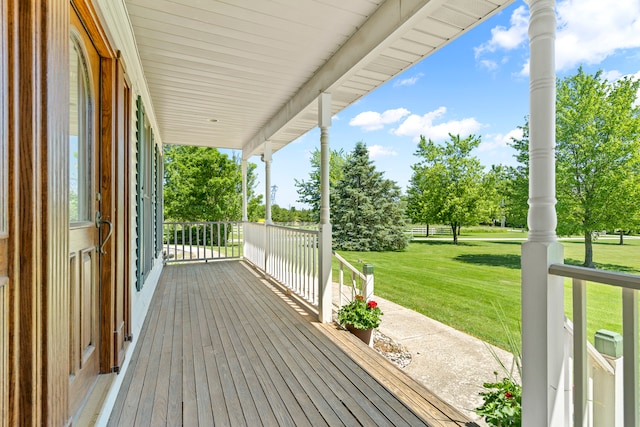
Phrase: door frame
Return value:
(111, 147)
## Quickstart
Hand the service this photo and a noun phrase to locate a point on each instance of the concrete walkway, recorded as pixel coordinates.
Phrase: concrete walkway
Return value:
(450, 363)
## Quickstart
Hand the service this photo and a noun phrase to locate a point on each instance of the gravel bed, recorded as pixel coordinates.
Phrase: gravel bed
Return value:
(395, 352)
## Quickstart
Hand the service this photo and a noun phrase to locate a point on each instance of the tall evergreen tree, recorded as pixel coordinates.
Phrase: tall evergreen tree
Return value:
(367, 213)
(309, 191)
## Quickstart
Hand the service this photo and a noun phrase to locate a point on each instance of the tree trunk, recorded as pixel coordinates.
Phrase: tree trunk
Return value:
(588, 250)
(621, 238)
(427, 230)
(454, 229)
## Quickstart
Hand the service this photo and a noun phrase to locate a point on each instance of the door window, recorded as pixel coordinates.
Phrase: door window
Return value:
(80, 196)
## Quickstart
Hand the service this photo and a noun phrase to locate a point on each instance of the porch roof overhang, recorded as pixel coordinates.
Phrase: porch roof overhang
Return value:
(256, 67)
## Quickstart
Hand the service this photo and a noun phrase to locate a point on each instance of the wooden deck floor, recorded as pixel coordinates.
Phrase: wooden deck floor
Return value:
(221, 347)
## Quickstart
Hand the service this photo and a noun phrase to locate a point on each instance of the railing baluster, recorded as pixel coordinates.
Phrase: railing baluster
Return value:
(630, 285)
(198, 245)
(182, 227)
(175, 241)
(340, 284)
(195, 241)
(630, 356)
(289, 256)
(308, 256)
(579, 353)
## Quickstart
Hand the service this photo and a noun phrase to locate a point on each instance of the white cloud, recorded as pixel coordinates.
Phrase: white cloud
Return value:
(591, 30)
(588, 31)
(380, 151)
(489, 64)
(410, 81)
(415, 126)
(611, 75)
(499, 141)
(372, 120)
(503, 38)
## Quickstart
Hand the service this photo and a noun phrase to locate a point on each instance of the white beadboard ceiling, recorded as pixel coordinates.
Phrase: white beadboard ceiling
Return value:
(258, 66)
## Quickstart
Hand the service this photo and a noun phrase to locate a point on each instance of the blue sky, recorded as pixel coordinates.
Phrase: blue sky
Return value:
(477, 84)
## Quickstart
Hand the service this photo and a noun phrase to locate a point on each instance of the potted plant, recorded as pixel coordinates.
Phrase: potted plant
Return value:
(502, 405)
(502, 400)
(360, 317)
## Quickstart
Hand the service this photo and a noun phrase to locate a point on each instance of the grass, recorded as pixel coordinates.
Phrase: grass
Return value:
(461, 285)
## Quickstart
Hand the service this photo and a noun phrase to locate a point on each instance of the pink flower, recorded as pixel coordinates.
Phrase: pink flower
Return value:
(372, 304)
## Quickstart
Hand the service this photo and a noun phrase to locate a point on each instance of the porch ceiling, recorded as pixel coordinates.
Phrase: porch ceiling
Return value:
(257, 66)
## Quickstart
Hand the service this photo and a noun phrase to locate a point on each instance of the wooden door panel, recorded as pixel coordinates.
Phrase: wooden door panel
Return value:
(84, 144)
(88, 307)
(74, 324)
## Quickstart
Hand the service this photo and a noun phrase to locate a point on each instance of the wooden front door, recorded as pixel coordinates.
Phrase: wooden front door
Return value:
(84, 205)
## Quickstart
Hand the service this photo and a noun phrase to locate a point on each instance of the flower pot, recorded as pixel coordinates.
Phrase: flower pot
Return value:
(365, 335)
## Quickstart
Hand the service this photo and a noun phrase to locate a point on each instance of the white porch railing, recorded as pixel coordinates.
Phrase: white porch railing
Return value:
(289, 255)
(201, 241)
(604, 382)
(582, 407)
(359, 283)
(255, 243)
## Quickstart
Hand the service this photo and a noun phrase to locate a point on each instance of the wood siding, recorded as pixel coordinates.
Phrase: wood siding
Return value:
(55, 180)
(4, 222)
(26, 39)
(4, 353)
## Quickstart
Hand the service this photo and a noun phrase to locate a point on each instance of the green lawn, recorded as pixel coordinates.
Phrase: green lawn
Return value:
(460, 285)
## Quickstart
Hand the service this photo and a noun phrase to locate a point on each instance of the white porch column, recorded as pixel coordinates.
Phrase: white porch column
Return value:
(324, 276)
(266, 158)
(245, 217)
(542, 294)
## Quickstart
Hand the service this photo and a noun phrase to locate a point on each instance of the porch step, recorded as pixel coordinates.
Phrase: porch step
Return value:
(413, 394)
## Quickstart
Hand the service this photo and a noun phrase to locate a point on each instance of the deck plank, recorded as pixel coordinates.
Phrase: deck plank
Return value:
(327, 403)
(129, 397)
(174, 404)
(221, 346)
(248, 387)
(285, 393)
(198, 330)
(189, 401)
(420, 399)
(161, 397)
(150, 388)
(227, 410)
(366, 403)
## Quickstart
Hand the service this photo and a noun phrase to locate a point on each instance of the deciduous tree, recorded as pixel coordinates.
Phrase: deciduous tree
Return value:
(449, 182)
(597, 155)
(202, 184)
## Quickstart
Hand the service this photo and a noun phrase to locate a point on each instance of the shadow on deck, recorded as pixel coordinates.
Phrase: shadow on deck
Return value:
(221, 346)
